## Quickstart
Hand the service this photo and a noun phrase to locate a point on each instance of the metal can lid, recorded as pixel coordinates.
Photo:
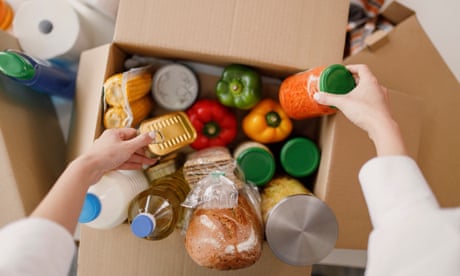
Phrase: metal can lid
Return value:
(175, 86)
(299, 157)
(336, 79)
(301, 230)
(175, 129)
(257, 164)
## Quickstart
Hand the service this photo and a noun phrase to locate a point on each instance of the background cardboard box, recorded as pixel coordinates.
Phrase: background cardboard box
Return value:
(32, 147)
(406, 60)
(263, 34)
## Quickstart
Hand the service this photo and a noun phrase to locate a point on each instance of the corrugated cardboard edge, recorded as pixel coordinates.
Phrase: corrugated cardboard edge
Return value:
(86, 121)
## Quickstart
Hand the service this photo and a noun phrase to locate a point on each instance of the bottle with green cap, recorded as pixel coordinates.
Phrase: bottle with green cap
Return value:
(296, 91)
(154, 213)
(40, 75)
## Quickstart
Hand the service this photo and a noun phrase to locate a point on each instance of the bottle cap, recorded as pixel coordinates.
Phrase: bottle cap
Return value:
(257, 164)
(13, 65)
(301, 230)
(143, 225)
(91, 208)
(175, 87)
(299, 157)
(336, 79)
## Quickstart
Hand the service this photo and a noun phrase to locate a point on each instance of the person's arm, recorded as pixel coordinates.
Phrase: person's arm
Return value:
(114, 149)
(367, 107)
(412, 235)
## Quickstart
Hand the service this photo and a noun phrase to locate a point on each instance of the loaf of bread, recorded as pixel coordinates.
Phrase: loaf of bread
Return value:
(225, 239)
(201, 163)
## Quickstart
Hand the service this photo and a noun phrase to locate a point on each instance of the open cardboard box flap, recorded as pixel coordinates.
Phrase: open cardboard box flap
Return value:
(32, 146)
(285, 38)
(409, 62)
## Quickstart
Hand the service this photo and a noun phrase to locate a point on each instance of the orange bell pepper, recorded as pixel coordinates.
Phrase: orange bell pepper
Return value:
(267, 122)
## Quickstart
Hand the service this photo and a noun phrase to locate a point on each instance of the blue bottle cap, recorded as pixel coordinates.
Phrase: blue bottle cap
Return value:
(143, 225)
(91, 208)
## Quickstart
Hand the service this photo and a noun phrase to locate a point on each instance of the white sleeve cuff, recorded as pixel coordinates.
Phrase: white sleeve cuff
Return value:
(35, 246)
(394, 187)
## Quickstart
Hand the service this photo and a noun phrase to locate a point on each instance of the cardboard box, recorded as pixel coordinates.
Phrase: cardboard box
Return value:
(32, 146)
(276, 40)
(406, 60)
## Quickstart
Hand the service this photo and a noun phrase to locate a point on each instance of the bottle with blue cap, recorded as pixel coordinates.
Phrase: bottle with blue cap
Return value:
(106, 202)
(154, 213)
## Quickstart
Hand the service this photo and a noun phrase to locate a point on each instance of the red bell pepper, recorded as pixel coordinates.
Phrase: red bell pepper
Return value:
(214, 123)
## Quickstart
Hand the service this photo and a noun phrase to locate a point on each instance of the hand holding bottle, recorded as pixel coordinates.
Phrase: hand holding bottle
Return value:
(367, 106)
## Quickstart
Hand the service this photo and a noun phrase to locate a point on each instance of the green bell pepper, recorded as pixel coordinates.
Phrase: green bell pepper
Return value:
(239, 87)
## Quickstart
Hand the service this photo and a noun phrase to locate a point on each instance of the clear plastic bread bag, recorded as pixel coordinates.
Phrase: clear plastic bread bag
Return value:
(223, 227)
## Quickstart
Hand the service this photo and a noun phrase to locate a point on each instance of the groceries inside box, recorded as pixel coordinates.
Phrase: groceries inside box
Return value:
(237, 157)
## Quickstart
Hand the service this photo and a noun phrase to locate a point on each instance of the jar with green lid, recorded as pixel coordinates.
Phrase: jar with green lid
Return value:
(154, 213)
(300, 157)
(256, 161)
(296, 91)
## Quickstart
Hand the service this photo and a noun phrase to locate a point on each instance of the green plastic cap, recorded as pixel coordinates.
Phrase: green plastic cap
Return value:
(13, 65)
(257, 164)
(336, 79)
(299, 157)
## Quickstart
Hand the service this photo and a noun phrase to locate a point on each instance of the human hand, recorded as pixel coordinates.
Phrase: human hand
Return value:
(367, 106)
(121, 148)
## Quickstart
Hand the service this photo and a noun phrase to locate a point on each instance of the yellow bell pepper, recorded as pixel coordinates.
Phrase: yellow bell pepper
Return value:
(267, 122)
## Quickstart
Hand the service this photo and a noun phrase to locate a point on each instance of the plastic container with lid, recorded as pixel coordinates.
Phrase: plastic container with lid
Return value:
(106, 202)
(155, 213)
(299, 157)
(296, 91)
(175, 86)
(40, 75)
(256, 161)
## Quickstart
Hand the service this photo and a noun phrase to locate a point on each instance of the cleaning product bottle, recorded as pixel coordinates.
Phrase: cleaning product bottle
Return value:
(155, 213)
(106, 203)
(40, 75)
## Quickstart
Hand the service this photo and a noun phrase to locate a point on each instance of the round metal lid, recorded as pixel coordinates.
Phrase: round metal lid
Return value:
(301, 230)
(175, 86)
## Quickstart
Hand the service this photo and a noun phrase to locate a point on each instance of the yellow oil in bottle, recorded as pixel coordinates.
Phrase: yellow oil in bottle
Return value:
(154, 213)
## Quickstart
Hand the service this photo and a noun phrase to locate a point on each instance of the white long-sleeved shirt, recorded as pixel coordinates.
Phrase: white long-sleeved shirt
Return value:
(412, 235)
(35, 246)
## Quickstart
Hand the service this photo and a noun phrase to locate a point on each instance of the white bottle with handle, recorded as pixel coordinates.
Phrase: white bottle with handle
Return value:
(106, 202)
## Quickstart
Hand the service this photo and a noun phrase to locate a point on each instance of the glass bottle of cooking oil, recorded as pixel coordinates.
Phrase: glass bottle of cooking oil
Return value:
(154, 213)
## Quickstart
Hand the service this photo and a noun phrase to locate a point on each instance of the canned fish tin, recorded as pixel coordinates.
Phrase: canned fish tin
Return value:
(175, 86)
(175, 131)
(296, 91)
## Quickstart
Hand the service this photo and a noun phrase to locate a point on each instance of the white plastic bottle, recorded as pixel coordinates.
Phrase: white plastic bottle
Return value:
(106, 202)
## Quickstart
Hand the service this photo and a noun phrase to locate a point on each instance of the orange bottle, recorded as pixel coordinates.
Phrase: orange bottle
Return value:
(296, 91)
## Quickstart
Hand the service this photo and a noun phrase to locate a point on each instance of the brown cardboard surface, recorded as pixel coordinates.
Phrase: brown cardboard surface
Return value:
(284, 37)
(32, 146)
(409, 62)
(118, 252)
(345, 148)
